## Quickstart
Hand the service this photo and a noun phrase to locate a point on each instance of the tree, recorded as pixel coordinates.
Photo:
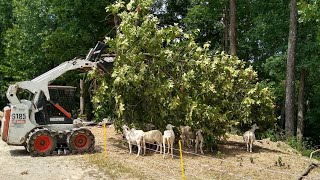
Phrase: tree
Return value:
(308, 54)
(5, 24)
(233, 27)
(292, 43)
(205, 20)
(44, 34)
(161, 75)
(301, 102)
(171, 11)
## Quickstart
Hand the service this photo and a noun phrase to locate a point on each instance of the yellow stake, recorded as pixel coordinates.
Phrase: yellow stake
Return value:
(183, 177)
(105, 139)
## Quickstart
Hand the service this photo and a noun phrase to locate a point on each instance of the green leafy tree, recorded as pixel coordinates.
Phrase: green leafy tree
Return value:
(44, 34)
(171, 11)
(307, 65)
(206, 17)
(161, 75)
(5, 24)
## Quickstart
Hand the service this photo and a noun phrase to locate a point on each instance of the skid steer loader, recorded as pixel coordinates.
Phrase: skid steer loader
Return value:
(34, 120)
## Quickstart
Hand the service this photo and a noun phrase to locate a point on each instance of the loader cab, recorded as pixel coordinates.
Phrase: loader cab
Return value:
(49, 114)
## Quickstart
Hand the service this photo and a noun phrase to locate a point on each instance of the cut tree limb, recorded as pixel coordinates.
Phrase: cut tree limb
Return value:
(311, 166)
(311, 154)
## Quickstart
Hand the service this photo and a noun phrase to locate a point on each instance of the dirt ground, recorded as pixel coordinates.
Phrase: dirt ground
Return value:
(272, 160)
(17, 164)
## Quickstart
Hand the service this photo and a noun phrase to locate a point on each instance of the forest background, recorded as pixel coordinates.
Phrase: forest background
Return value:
(280, 40)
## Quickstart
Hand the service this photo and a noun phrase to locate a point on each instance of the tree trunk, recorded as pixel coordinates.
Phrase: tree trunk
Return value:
(233, 27)
(226, 29)
(300, 120)
(282, 115)
(81, 97)
(292, 43)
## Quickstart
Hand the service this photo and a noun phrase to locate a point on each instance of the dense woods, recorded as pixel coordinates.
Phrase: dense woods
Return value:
(173, 62)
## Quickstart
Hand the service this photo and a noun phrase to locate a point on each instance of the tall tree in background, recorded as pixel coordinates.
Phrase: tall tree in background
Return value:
(292, 43)
(171, 11)
(44, 34)
(233, 27)
(207, 18)
(226, 29)
(301, 102)
(308, 66)
(5, 24)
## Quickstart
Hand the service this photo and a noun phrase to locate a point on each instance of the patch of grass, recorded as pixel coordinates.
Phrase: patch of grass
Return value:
(302, 147)
(275, 134)
(114, 168)
(279, 162)
(251, 160)
(220, 155)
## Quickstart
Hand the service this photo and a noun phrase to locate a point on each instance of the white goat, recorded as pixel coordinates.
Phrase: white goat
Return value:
(168, 137)
(186, 135)
(154, 136)
(199, 138)
(136, 137)
(249, 137)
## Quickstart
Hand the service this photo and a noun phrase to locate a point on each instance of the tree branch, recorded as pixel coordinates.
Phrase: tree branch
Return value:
(311, 154)
(311, 166)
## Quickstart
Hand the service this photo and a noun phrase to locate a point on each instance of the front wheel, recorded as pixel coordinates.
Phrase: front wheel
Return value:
(41, 143)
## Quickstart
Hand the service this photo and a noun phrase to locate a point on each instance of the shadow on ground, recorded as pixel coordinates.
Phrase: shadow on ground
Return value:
(232, 148)
(19, 152)
(229, 148)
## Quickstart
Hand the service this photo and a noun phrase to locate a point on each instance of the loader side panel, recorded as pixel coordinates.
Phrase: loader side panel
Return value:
(5, 124)
(19, 124)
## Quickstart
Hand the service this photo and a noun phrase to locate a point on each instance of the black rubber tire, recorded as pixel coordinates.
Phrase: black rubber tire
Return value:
(41, 142)
(81, 140)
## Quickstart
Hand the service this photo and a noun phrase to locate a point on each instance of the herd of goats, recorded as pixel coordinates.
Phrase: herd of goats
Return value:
(140, 138)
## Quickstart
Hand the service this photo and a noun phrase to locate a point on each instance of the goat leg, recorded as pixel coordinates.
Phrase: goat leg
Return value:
(144, 146)
(139, 148)
(201, 144)
(172, 149)
(130, 147)
(164, 147)
(196, 147)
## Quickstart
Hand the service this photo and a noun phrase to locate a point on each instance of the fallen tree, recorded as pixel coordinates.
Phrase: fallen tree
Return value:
(161, 75)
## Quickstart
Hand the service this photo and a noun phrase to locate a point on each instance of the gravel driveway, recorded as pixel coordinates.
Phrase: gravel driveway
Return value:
(16, 164)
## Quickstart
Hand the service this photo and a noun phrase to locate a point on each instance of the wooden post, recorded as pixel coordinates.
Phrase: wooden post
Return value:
(183, 177)
(105, 139)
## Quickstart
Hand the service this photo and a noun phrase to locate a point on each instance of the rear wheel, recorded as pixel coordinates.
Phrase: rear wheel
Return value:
(81, 140)
(41, 143)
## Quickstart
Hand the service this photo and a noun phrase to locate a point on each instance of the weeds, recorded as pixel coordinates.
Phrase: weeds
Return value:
(275, 134)
(251, 160)
(220, 155)
(279, 162)
(113, 167)
(302, 146)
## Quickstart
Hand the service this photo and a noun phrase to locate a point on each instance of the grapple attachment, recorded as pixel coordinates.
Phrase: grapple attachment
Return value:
(104, 61)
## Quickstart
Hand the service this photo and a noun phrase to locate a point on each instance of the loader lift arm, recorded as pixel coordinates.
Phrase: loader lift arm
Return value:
(40, 83)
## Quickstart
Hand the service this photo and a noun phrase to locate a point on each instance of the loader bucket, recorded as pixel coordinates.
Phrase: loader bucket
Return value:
(106, 63)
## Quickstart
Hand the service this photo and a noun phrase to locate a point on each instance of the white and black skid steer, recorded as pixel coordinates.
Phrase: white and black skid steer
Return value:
(40, 124)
